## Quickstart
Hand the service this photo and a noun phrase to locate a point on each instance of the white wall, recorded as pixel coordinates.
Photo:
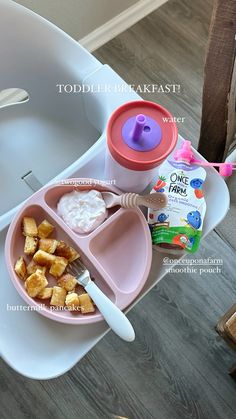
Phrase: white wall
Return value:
(78, 17)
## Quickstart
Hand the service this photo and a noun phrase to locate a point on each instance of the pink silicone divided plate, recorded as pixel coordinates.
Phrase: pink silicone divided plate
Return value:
(118, 253)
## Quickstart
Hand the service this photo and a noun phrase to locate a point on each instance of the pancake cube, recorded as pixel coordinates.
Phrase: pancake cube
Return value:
(35, 283)
(30, 246)
(58, 296)
(20, 268)
(48, 245)
(29, 227)
(45, 229)
(58, 266)
(86, 304)
(44, 258)
(67, 281)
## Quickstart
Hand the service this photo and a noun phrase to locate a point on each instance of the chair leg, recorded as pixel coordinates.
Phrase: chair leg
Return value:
(221, 327)
(222, 330)
(218, 103)
(232, 371)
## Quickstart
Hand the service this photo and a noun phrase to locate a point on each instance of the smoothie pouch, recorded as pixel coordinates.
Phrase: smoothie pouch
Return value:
(178, 227)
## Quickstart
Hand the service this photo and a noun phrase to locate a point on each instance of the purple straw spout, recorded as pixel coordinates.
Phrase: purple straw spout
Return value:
(140, 122)
(141, 133)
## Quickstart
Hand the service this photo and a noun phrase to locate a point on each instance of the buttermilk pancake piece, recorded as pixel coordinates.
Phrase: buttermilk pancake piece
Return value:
(73, 301)
(29, 227)
(66, 251)
(86, 304)
(35, 283)
(58, 296)
(48, 245)
(30, 246)
(20, 268)
(68, 282)
(45, 229)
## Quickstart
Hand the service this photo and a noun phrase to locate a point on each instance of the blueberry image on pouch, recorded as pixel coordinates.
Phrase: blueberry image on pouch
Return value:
(196, 183)
(194, 219)
(162, 217)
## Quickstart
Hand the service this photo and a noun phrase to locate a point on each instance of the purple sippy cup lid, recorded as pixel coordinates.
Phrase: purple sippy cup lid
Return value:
(141, 133)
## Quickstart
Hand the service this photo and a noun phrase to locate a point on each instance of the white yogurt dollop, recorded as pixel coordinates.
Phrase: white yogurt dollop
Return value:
(82, 211)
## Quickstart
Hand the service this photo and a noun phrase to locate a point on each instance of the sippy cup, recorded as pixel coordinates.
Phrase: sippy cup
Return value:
(140, 136)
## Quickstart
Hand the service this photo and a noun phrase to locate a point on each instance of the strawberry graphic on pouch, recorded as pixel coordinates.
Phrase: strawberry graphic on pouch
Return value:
(161, 182)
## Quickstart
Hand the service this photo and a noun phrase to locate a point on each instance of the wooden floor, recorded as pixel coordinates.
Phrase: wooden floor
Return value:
(177, 366)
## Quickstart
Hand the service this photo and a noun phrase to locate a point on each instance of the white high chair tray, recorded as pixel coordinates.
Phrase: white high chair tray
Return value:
(41, 348)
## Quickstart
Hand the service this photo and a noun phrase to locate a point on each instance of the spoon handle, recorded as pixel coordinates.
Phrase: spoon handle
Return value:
(153, 201)
(129, 200)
